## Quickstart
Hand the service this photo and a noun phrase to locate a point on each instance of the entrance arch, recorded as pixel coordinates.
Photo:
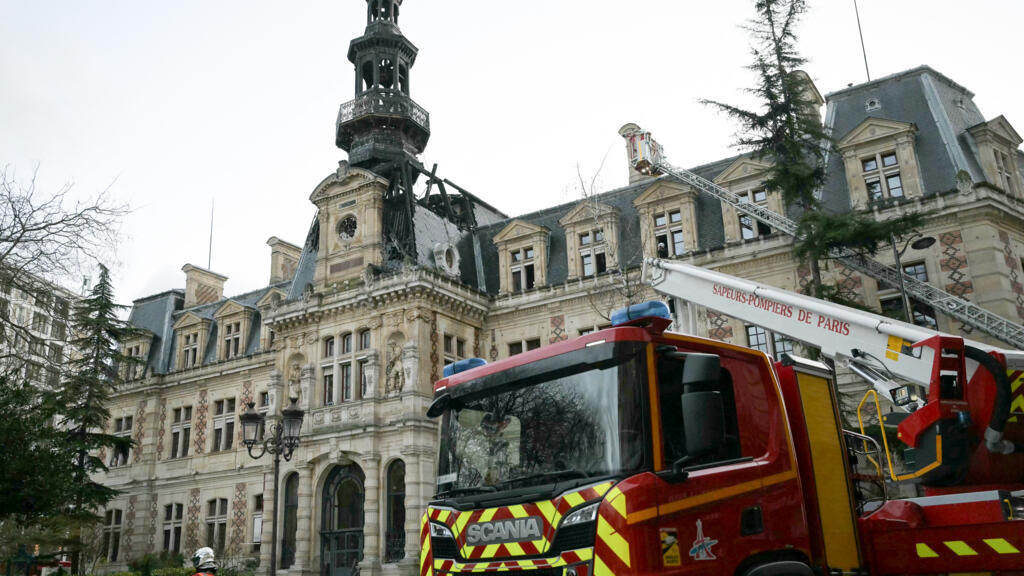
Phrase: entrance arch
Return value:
(341, 521)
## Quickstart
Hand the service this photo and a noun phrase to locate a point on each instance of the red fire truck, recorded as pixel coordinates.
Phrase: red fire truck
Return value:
(634, 450)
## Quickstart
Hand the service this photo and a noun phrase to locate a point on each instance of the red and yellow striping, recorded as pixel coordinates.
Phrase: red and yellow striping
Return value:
(609, 555)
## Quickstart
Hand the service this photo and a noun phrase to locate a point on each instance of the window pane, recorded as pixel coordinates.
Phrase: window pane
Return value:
(599, 263)
(917, 271)
(889, 160)
(659, 220)
(874, 189)
(533, 344)
(529, 253)
(869, 164)
(675, 216)
(517, 282)
(747, 227)
(678, 244)
(895, 186)
(585, 239)
(599, 236)
(588, 266)
(760, 195)
(529, 276)
(517, 256)
(515, 348)
(757, 338)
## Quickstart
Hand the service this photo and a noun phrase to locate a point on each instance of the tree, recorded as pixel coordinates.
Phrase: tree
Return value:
(788, 132)
(47, 239)
(92, 377)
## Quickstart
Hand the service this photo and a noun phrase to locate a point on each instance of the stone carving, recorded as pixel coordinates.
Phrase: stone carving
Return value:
(410, 362)
(393, 368)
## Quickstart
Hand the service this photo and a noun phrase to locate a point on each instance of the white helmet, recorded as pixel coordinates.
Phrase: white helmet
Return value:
(203, 559)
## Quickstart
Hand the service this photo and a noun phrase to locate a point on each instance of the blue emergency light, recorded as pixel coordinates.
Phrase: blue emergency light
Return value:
(652, 309)
(462, 366)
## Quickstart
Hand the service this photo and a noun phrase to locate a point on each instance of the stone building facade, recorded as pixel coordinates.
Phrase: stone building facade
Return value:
(389, 286)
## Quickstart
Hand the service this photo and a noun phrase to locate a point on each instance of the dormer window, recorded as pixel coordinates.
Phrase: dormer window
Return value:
(1004, 172)
(232, 339)
(749, 227)
(592, 253)
(522, 269)
(668, 234)
(882, 176)
(190, 350)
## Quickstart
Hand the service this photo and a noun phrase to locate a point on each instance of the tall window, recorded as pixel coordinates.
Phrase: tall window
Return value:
(882, 176)
(216, 523)
(345, 371)
(291, 520)
(454, 348)
(750, 228)
(172, 527)
(346, 343)
(263, 407)
(1004, 171)
(394, 535)
(364, 340)
(135, 367)
(190, 350)
(522, 269)
(329, 347)
(181, 431)
(223, 424)
(123, 430)
(364, 377)
(774, 345)
(592, 253)
(257, 522)
(518, 347)
(924, 315)
(232, 339)
(111, 535)
(328, 387)
(39, 322)
(668, 234)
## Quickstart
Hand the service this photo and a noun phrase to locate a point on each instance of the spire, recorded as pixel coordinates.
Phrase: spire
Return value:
(382, 125)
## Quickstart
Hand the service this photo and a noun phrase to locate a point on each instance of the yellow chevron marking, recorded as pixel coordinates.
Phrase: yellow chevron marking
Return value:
(602, 488)
(600, 568)
(479, 567)
(960, 548)
(443, 515)
(617, 500)
(613, 540)
(518, 511)
(925, 551)
(488, 514)
(515, 549)
(490, 551)
(574, 499)
(1001, 546)
(460, 522)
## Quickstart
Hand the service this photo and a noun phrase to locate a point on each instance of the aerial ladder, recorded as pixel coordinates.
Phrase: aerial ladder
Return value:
(646, 156)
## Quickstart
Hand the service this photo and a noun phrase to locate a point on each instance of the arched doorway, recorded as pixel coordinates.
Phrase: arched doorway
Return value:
(341, 524)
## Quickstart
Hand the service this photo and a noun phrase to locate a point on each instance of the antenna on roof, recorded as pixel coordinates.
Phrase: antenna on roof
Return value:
(862, 49)
(209, 254)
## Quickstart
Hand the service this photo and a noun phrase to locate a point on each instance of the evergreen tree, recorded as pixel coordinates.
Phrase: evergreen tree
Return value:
(787, 132)
(92, 376)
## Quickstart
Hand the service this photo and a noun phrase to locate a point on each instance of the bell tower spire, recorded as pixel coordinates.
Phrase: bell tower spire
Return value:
(382, 127)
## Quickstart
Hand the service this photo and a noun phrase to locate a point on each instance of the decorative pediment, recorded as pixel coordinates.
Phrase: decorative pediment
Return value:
(589, 211)
(743, 168)
(344, 179)
(228, 308)
(190, 319)
(272, 296)
(518, 229)
(662, 190)
(875, 129)
(139, 336)
(999, 127)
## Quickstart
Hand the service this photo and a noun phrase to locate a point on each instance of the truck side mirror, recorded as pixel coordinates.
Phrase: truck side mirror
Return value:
(701, 372)
(704, 422)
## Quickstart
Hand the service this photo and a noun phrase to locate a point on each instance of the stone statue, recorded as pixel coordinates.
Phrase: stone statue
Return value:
(393, 369)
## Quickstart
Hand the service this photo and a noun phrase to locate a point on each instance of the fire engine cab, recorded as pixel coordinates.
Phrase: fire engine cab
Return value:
(635, 450)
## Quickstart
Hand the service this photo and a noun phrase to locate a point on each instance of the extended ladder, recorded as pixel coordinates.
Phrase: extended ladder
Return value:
(646, 157)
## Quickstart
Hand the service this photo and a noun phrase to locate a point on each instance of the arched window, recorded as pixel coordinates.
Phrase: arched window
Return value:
(291, 524)
(394, 536)
(341, 524)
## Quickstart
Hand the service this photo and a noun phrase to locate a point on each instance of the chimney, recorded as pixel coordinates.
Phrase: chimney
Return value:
(202, 286)
(284, 258)
(810, 95)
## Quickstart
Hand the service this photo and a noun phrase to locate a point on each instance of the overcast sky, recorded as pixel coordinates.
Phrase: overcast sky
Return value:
(175, 105)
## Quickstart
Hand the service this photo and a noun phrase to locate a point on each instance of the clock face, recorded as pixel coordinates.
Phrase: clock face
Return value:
(347, 228)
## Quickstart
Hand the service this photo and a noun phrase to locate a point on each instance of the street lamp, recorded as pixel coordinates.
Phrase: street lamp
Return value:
(282, 441)
(917, 242)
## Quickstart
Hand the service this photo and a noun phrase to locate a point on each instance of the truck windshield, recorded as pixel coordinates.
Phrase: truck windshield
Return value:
(582, 419)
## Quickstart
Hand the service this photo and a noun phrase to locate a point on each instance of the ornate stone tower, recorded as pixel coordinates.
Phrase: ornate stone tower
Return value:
(382, 127)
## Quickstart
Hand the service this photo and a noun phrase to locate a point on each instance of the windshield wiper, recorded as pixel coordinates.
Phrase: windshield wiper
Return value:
(464, 490)
(554, 475)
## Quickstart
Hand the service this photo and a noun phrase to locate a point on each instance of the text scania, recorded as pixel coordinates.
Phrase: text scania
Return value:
(501, 531)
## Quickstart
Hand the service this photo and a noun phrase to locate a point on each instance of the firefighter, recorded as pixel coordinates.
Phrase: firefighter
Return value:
(204, 562)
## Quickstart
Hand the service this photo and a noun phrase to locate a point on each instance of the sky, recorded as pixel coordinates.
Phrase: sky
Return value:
(180, 107)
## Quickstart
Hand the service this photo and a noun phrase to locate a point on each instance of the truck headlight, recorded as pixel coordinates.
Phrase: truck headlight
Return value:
(440, 531)
(580, 515)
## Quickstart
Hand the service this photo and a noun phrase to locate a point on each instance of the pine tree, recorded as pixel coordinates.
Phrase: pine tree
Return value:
(92, 376)
(787, 132)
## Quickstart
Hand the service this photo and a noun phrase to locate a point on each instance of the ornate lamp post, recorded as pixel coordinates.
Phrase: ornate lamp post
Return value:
(917, 242)
(281, 442)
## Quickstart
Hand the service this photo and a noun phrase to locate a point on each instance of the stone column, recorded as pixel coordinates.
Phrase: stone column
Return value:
(304, 521)
(266, 541)
(371, 516)
(419, 489)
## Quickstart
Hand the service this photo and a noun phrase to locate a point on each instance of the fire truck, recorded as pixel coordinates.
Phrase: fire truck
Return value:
(636, 450)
